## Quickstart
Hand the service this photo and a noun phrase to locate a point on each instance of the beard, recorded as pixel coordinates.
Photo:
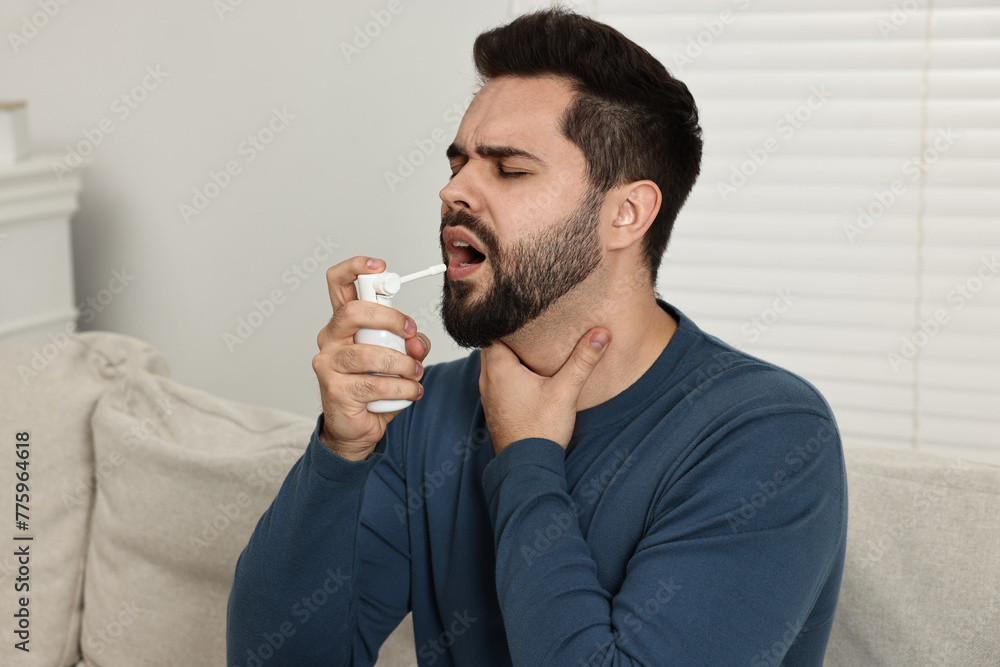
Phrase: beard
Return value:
(528, 276)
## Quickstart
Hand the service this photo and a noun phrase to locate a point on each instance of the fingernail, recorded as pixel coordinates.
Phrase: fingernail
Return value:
(420, 390)
(410, 327)
(420, 369)
(374, 263)
(599, 341)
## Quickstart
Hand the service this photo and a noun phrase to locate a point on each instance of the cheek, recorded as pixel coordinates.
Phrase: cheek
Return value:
(538, 206)
(550, 200)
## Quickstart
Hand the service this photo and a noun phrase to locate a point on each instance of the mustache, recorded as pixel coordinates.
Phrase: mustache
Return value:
(462, 218)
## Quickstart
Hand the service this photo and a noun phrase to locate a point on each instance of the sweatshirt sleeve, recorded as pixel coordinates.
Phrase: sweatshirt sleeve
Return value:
(704, 585)
(317, 584)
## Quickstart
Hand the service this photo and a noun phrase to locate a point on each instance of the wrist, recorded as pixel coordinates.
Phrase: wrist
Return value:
(347, 453)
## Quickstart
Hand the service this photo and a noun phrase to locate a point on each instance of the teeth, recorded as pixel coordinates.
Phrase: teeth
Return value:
(460, 244)
(465, 264)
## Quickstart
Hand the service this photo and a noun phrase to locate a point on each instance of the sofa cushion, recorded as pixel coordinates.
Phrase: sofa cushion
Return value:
(49, 391)
(167, 528)
(921, 583)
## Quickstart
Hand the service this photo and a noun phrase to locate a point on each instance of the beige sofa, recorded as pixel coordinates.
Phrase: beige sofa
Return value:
(142, 493)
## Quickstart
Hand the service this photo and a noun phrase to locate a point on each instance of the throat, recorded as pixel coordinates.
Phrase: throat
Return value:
(466, 256)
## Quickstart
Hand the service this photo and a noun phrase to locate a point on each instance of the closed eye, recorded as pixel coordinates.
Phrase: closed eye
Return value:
(503, 173)
(510, 174)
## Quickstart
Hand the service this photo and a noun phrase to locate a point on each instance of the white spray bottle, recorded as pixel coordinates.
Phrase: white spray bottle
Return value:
(380, 288)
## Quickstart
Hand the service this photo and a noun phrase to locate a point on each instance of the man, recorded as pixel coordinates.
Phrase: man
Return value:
(602, 483)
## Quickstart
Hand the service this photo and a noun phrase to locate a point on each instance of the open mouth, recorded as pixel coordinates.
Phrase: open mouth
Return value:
(464, 254)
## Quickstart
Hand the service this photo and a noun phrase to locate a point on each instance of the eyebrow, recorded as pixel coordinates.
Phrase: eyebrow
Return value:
(496, 152)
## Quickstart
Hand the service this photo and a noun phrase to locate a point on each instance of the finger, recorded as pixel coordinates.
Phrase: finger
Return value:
(355, 315)
(367, 388)
(375, 359)
(499, 352)
(486, 359)
(340, 278)
(497, 360)
(586, 355)
(418, 347)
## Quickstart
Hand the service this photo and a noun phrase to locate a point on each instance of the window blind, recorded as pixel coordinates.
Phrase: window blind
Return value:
(845, 225)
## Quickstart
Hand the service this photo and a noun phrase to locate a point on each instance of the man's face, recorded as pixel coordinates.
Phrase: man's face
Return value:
(520, 224)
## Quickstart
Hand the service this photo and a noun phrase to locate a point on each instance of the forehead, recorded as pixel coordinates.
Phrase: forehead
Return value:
(517, 111)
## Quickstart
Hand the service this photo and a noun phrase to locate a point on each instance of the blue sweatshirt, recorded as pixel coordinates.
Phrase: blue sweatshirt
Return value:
(697, 518)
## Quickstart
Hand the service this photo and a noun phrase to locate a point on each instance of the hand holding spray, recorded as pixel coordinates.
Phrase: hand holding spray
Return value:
(380, 288)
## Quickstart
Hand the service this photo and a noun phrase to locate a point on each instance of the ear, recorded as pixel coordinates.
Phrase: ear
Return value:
(637, 205)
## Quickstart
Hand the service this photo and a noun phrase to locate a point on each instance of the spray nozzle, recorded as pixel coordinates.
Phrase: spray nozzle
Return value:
(388, 284)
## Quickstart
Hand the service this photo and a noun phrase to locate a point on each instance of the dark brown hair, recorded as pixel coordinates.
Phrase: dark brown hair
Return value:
(631, 118)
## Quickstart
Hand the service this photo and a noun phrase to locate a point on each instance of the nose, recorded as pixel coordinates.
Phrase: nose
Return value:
(461, 192)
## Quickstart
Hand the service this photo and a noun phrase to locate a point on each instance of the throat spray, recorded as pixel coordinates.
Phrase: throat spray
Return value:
(381, 288)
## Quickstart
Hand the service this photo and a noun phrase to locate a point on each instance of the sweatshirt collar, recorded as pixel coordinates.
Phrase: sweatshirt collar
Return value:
(635, 398)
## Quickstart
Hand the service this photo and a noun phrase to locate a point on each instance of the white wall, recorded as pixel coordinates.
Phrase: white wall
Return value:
(321, 177)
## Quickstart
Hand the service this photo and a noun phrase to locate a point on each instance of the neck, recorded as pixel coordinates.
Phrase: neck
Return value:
(639, 327)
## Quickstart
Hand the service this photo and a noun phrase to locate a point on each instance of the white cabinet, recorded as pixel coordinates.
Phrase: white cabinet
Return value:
(36, 267)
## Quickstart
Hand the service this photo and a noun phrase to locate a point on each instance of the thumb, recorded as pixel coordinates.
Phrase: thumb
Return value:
(588, 352)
